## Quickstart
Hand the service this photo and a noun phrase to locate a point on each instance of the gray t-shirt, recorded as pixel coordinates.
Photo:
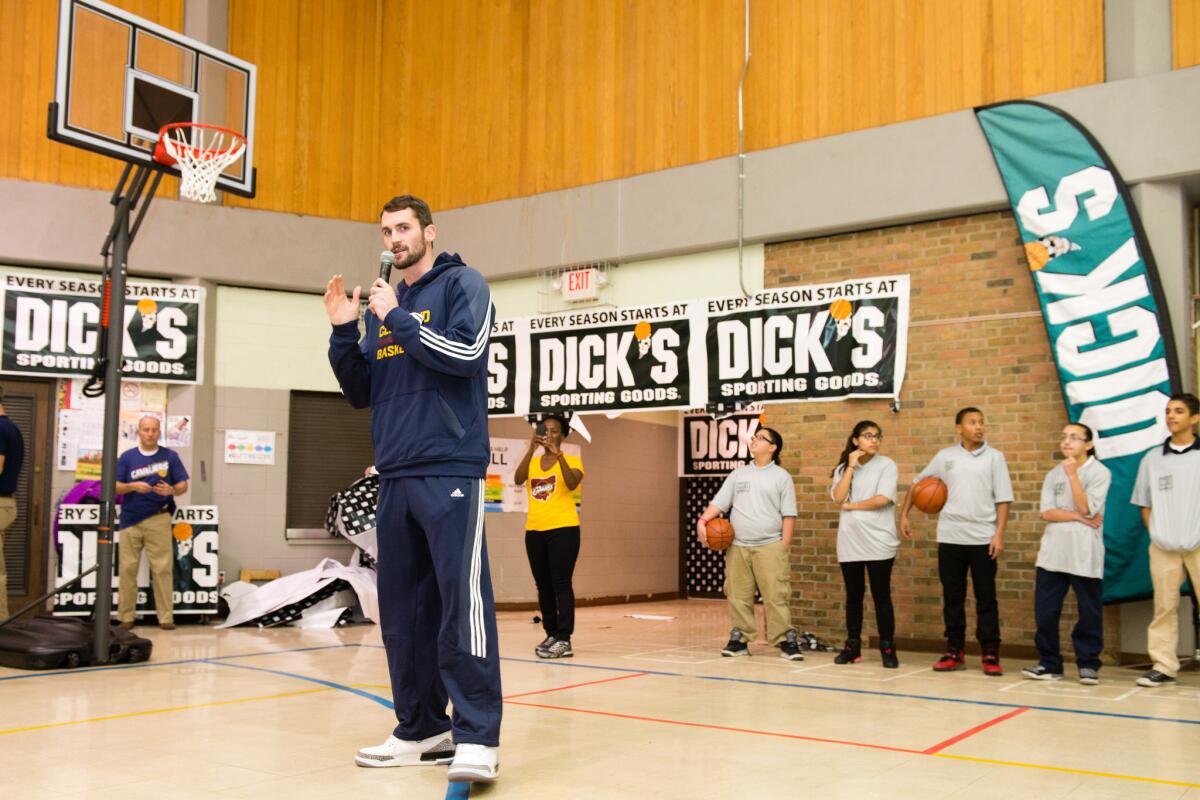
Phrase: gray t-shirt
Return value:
(760, 497)
(1073, 547)
(1168, 483)
(975, 481)
(869, 535)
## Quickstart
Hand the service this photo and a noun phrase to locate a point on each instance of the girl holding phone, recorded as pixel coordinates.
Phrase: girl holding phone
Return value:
(552, 531)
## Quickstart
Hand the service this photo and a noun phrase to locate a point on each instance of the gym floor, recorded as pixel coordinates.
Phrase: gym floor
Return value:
(645, 708)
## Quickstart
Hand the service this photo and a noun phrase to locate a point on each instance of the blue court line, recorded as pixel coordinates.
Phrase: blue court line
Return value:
(331, 684)
(871, 692)
(146, 664)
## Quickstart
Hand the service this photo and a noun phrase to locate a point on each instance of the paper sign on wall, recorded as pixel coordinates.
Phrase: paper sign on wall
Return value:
(250, 447)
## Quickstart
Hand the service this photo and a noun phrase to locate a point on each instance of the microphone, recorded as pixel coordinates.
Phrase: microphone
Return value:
(386, 262)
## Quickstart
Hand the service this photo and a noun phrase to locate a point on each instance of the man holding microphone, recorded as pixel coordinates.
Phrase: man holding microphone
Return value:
(421, 368)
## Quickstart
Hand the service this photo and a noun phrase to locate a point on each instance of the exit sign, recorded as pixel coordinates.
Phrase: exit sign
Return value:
(581, 284)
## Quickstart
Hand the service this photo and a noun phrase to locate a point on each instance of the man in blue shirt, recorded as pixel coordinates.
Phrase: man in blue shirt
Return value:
(150, 477)
(12, 454)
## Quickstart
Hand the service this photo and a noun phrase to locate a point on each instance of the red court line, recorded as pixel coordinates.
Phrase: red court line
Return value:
(718, 727)
(940, 746)
(575, 686)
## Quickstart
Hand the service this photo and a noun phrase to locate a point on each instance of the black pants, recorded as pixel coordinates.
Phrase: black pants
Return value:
(955, 561)
(552, 557)
(880, 575)
(1087, 637)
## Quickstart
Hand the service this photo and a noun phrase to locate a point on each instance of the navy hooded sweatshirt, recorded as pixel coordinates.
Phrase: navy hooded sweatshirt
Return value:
(423, 373)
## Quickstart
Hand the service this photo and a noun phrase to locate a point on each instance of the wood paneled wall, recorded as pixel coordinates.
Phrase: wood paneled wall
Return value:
(470, 101)
(1185, 33)
(28, 36)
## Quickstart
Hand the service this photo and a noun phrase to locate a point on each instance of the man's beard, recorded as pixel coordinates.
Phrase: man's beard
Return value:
(412, 257)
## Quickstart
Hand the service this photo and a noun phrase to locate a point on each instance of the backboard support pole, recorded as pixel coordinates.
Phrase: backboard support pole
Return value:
(109, 353)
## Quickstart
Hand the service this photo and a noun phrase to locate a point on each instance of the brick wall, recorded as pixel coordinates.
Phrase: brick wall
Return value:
(976, 337)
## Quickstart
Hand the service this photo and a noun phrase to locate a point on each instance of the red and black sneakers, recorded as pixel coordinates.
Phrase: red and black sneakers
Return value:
(991, 665)
(952, 661)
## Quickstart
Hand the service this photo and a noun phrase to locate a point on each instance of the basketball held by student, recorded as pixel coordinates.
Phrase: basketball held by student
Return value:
(719, 533)
(929, 495)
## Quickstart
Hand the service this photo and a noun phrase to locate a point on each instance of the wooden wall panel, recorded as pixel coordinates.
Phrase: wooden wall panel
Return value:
(28, 36)
(470, 101)
(1185, 33)
(820, 68)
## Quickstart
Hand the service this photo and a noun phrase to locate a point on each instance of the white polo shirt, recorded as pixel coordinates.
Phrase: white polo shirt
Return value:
(975, 481)
(1073, 547)
(760, 498)
(869, 535)
(1168, 483)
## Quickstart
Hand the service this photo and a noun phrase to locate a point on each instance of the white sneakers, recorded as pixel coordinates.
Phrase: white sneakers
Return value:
(477, 763)
(403, 753)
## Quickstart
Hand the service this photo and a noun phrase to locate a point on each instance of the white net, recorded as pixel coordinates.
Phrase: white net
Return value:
(201, 162)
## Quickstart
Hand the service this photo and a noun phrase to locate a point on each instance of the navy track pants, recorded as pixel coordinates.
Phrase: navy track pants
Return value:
(437, 610)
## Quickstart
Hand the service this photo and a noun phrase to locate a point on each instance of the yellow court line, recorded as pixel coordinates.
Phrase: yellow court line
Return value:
(165, 710)
(1067, 770)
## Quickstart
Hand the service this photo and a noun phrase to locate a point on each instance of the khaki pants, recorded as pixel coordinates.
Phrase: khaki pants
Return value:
(1166, 574)
(153, 535)
(764, 567)
(8, 515)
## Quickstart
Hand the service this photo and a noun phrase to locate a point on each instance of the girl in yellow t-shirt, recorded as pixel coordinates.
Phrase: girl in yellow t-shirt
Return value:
(552, 531)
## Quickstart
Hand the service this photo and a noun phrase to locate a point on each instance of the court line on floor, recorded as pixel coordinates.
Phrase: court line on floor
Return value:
(849, 690)
(867, 745)
(940, 746)
(711, 727)
(1068, 770)
(321, 681)
(169, 710)
(509, 697)
(177, 662)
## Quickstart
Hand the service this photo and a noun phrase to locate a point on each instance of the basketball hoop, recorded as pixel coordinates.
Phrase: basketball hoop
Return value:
(201, 160)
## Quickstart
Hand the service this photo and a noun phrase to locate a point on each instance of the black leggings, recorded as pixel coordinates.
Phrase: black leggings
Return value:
(880, 575)
(552, 557)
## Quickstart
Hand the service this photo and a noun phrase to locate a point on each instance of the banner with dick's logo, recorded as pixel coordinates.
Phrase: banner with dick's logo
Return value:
(824, 342)
(52, 327)
(715, 446)
(1102, 304)
(611, 359)
(194, 538)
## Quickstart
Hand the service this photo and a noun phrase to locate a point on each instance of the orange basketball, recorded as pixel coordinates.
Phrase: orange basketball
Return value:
(720, 533)
(929, 495)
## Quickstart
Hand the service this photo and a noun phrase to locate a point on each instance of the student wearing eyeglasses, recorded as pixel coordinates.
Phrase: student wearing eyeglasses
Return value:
(1071, 557)
(763, 502)
(864, 485)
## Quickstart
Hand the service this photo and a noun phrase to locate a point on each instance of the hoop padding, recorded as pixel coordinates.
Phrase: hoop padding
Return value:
(202, 162)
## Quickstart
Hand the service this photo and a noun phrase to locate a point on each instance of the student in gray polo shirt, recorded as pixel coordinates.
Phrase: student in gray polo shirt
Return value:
(864, 485)
(970, 536)
(1071, 557)
(763, 499)
(1168, 490)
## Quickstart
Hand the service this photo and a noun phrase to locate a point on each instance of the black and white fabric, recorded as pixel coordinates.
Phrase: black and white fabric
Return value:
(705, 569)
(351, 515)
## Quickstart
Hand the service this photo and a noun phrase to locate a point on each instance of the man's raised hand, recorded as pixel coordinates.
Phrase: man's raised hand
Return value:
(337, 306)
